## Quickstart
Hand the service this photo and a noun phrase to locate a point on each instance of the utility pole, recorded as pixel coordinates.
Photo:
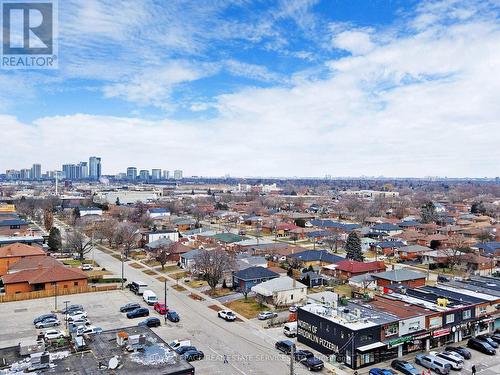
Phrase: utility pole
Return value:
(122, 267)
(55, 296)
(165, 290)
(292, 354)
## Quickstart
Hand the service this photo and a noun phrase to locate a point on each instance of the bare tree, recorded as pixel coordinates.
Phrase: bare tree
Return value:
(213, 264)
(162, 254)
(78, 243)
(48, 219)
(454, 253)
(332, 241)
(127, 235)
(106, 230)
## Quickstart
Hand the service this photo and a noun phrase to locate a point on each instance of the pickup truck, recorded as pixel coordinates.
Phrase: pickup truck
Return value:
(227, 315)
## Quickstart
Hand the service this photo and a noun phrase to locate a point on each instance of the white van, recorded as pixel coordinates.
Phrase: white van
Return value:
(178, 343)
(149, 297)
(138, 287)
(290, 329)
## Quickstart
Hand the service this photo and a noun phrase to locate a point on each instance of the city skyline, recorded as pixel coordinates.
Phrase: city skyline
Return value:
(295, 88)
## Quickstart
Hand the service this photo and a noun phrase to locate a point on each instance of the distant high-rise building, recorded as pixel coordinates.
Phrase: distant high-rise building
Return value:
(84, 169)
(25, 174)
(95, 167)
(177, 174)
(144, 175)
(36, 172)
(71, 171)
(156, 174)
(166, 175)
(131, 173)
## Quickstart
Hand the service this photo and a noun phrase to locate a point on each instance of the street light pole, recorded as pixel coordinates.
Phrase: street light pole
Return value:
(292, 350)
(55, 296)
(165, 290)
(66, 309)
(122, 268)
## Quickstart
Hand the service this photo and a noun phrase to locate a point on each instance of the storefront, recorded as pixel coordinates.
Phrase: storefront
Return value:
(372, 353)
(416, 344)
(442, 337)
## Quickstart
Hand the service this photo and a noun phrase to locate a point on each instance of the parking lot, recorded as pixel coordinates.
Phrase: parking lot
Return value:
(103, 311)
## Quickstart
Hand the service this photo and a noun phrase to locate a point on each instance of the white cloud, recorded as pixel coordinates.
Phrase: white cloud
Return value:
(355, 41)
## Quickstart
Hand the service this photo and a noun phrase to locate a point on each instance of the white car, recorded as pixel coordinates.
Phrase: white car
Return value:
(75, 315)
(81, 322)
(53, 334)
(227, 315)
(267, 315)
(83, 330)
(87, 267)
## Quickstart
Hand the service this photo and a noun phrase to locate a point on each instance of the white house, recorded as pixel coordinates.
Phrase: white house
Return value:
(90, 211)
(158, 213)
(152, 236)
(281, 291)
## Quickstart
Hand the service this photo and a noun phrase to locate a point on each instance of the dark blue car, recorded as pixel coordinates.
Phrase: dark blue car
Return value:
(138, 313)
(173, 316)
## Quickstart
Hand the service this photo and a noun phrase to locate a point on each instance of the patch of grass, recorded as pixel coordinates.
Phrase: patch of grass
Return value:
(149, 272)
(196, 283)
(179, 288)
(117, 256)
(98, 273)
(178, 275)
(136, 265)
(219, 292)
(72, 262)
(152, 262)
(106, 251)
(249, 308)
(343, 290)
(215, 307)
(170, 268)
(196, 297)
(161, 279)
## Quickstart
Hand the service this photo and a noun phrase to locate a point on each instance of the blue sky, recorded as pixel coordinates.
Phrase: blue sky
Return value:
(265, 88)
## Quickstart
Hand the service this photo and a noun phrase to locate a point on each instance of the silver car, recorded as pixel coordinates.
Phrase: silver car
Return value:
(48, 323)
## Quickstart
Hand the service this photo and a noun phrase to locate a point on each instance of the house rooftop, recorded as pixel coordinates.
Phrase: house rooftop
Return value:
(20, 250)
(40, 275)
(399, 275)
(278, 284)
(257, 272)
(317, 255)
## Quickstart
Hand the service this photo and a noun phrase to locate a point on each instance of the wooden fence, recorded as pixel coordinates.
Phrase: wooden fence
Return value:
(60, 292)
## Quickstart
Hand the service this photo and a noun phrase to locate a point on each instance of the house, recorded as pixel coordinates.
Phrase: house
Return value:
(490, 248)
(183, 225)
(346, 269)
(411, 252)
(11, 227)
(44, 277)
(12, 253)
(151, 236)
(281, 291)
(312, 279)
(388, 248)
(156, 213)
(188, 259)
(244, 261)
(315, 258)
(400, 276)
(84, 211)
(247, 278)
(388, 228)
(175, 249)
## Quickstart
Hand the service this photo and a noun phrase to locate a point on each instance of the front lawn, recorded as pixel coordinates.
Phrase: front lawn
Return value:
(249, 308)
(196, 283)
(219, 292)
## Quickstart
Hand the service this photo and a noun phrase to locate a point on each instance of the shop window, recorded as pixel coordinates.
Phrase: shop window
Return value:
(482, 310)
(450, 318)
(467, 314)
(414, 326)
(390, 330)
(364, 338)
(435, 322)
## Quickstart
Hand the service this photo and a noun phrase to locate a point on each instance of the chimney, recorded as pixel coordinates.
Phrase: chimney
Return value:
(294, 282)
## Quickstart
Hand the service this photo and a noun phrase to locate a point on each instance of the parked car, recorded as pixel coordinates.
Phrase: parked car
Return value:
(53, 334)
(465, 353)
(129, 307)
(184, 349)
(290, 329)
(227, 315)
(456, 364)
(380, 371)
(178, 343)
(193, 355)
(496, 337)
(81, 322)
(161, 308)
(44, 317)
(51, 322)
(302, 353)
(149, 297)
(87, 267)
(150, 322)
(70, 308)
(267, 315)
(75, 315)
(83, 330)
(293, 308)
(138, 313)
(489, 340)
(481, 346)
(284, 346)
(404, 367)
(313, 363)
(433, 363)
(173, 316)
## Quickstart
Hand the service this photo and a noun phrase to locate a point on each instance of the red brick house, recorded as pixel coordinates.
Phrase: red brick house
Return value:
(402, 276)
(11, 254)
(346, 269)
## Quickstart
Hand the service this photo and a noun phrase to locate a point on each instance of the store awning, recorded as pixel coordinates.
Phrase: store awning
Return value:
(368, 347)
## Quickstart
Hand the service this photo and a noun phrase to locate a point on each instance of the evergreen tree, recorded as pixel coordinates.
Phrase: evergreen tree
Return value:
(76, 213)
(353, 247)
(54, 241)
(428, 213)
(117, 201)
